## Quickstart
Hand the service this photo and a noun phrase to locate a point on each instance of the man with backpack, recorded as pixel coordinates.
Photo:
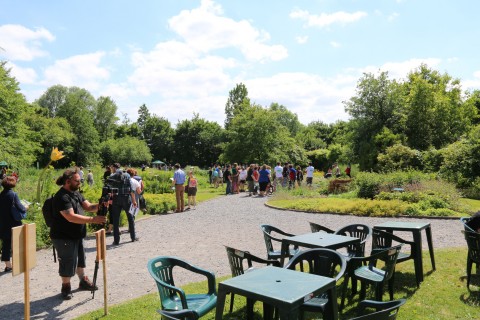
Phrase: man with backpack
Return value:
(68, 230)
(122, 201)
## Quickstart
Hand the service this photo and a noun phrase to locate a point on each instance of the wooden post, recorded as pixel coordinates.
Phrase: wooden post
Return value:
(24, 258)
(26, 275)
(101, 255)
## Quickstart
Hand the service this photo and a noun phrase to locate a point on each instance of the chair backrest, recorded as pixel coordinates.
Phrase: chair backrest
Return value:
(383, 310)
(382, 240)
(322, 262)
(315, 227)
(268, 234)
(235, 259)
(181, 314)
(389, 256)
(160, 268)
(361, 231)
(473, 243)
(239, 259)
(464, 221)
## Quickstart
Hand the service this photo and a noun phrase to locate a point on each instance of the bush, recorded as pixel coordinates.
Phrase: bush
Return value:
(368, 184)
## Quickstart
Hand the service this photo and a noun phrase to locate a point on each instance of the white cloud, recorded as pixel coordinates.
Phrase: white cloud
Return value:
(325, 19)
(393, 16)
(399, 70)
(205, 29)
(474, 83)
(81, 70)
(311, 97)
(335, 44)
(22, 75)
(302, 39)
(23, 44)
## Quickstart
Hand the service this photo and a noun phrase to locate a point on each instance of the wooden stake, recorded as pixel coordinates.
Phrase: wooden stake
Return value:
(26, 274)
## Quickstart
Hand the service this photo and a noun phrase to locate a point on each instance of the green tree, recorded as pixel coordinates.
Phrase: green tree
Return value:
(17, 141)
(126, 150)
(104, 118)
(286, 118)
(436, 115)
(256, 136)
(52, 99)
(77, 109)
(237, 102)
(160, 137)
(377, 104)
(197, 142)
(143, 117)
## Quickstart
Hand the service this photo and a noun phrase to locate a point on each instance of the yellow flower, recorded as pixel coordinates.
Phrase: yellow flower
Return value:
(56, 155)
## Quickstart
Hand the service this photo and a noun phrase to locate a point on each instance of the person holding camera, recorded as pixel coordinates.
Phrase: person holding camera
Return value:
(122, 201)
(68, 230)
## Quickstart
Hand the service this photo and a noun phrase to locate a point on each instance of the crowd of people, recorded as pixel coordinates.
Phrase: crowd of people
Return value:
(258, 179)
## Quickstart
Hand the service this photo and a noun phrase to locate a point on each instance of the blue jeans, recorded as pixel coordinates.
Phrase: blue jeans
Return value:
(229, 187)
(121, 202)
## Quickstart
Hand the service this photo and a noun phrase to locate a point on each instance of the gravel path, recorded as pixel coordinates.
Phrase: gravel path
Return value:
(197, 236)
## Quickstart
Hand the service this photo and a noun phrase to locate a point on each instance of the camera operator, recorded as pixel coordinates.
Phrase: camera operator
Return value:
(126, 196)
(68, 230)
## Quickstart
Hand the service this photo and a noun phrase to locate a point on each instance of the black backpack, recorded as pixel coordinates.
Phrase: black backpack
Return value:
(119, 181)
(47, 210)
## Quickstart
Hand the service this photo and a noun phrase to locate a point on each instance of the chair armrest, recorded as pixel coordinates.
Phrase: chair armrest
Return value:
(180, 291)
(208, 274)
(250, 257)
(380, 305)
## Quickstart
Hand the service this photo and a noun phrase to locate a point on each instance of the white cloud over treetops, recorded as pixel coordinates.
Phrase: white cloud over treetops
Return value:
(22, 44)
(326, 19)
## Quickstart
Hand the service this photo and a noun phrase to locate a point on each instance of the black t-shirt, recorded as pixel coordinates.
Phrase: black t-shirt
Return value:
(61, 227)
(249, 174)
(285, 172)
(226, 174)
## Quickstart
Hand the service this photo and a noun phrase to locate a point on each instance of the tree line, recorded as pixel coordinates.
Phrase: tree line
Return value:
(425, 122)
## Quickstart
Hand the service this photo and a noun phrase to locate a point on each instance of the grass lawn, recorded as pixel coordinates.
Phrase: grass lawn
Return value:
(443, 294)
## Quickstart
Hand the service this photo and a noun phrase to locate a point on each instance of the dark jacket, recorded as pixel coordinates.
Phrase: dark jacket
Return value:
(7, 197)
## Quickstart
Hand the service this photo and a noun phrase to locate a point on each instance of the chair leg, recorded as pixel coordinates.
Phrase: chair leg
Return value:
(232, 298)
(390, 288)
(379, 291)
(250, 303)
(363, 290)
(344, 291)
(469, 271)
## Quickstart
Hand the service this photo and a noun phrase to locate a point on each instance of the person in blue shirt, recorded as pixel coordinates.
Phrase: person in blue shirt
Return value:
(178, 182)
(263, 179)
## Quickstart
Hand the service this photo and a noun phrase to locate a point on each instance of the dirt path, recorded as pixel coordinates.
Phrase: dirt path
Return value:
(197, 236)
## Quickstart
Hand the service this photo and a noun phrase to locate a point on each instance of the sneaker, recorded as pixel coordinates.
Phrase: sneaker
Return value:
(86, 284)
(67, 291)
(8, 269)
(135, 239)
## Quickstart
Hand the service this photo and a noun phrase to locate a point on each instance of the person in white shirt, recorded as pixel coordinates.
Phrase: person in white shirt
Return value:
(278, 175)
(310, 169)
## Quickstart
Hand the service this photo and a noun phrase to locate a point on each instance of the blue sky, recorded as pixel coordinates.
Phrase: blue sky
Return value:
(181, 57)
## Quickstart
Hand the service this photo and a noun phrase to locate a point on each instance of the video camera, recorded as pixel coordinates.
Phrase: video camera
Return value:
(108, 193)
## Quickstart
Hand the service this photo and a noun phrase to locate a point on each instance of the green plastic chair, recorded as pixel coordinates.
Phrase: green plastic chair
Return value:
(173, 298)
(369, 274)
(383, 310)
(473, 256)
(315, 227)
(321, 262)
(361, 231)
(382, 240)
(268, 232)
(237, 259)
(182, 314)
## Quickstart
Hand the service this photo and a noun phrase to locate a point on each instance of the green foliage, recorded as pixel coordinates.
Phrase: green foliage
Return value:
(237, 102)
(399, 157)
(319, 158)
(127, 150)
(368, 184)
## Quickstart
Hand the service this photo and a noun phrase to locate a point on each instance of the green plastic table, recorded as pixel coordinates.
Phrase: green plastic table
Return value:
(317, 240)
(416, 229)
(279, 288)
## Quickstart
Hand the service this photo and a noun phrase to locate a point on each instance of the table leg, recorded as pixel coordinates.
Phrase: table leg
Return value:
(220, 302)
(283, 252)
(428, 231)
(418, 262)
(287, 314)
(331, 310)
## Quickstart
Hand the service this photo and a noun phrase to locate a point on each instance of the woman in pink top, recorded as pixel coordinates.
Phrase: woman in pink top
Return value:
(192, 190)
